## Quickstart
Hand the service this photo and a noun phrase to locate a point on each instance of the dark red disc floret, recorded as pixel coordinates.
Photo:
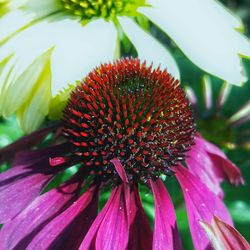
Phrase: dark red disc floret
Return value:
(132, 112)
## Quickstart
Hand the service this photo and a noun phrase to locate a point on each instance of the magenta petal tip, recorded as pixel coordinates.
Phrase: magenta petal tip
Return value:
(120, 170)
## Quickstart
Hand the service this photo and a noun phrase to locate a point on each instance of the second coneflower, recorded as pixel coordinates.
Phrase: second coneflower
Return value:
(126, 124)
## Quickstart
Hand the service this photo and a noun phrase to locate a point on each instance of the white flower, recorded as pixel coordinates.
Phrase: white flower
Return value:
(45, 47)
(47, 44)
(207, 34)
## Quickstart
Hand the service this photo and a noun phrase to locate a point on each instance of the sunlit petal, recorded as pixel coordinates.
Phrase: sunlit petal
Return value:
(149, 48)
(200, 37)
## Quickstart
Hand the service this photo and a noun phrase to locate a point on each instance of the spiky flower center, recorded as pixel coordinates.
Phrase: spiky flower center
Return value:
(132, 112)
(107, 9)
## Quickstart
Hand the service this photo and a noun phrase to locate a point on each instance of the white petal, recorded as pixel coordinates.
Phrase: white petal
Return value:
(205, 32)
(14, 4)
(12, 22)
(222, 14)
(77, 49)
(6, 64)
(148, 48)
(26, 47)
(18, 77)
(23, 88)
(80, 49)
(42, 8)
(36, 107)
(29, 11)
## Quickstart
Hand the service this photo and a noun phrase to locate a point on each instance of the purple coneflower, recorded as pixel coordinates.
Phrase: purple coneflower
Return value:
(125, 125)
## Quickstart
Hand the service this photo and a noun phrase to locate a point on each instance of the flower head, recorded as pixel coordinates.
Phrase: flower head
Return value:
(59, 41)
(125, 125)
(129, 111)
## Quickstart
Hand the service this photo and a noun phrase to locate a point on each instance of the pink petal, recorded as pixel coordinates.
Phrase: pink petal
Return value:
(30, 157)
(89, 240)
(19, 231)
(166, 234)
(140, 233)
(114, 231)
(67, 230)
(202, 204)
(120, 170)
(19, 186)
(211, 165)
(110, 230)
(230, 171)
(224, 236)
(201, 165)
(25, 142)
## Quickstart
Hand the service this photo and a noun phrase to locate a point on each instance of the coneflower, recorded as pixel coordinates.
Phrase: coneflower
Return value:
(47, 44)
(125, 125)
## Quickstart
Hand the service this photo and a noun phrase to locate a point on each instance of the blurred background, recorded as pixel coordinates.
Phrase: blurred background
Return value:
(216, 124)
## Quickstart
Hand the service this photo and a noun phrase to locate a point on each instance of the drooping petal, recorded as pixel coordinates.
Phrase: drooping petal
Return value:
(220, 161)
(166, 234)
(114, 231)
(149, 48)
(202, 204)
(30, 173)
(224, 236)
(19, 231)
(201, 165)
(140, 233)
(199, 35)
(19, 186)
(211, 165)
(67, 230)
(89, 240)
(120, 169)
(29, 158)
(110, 230)
(25, 142)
